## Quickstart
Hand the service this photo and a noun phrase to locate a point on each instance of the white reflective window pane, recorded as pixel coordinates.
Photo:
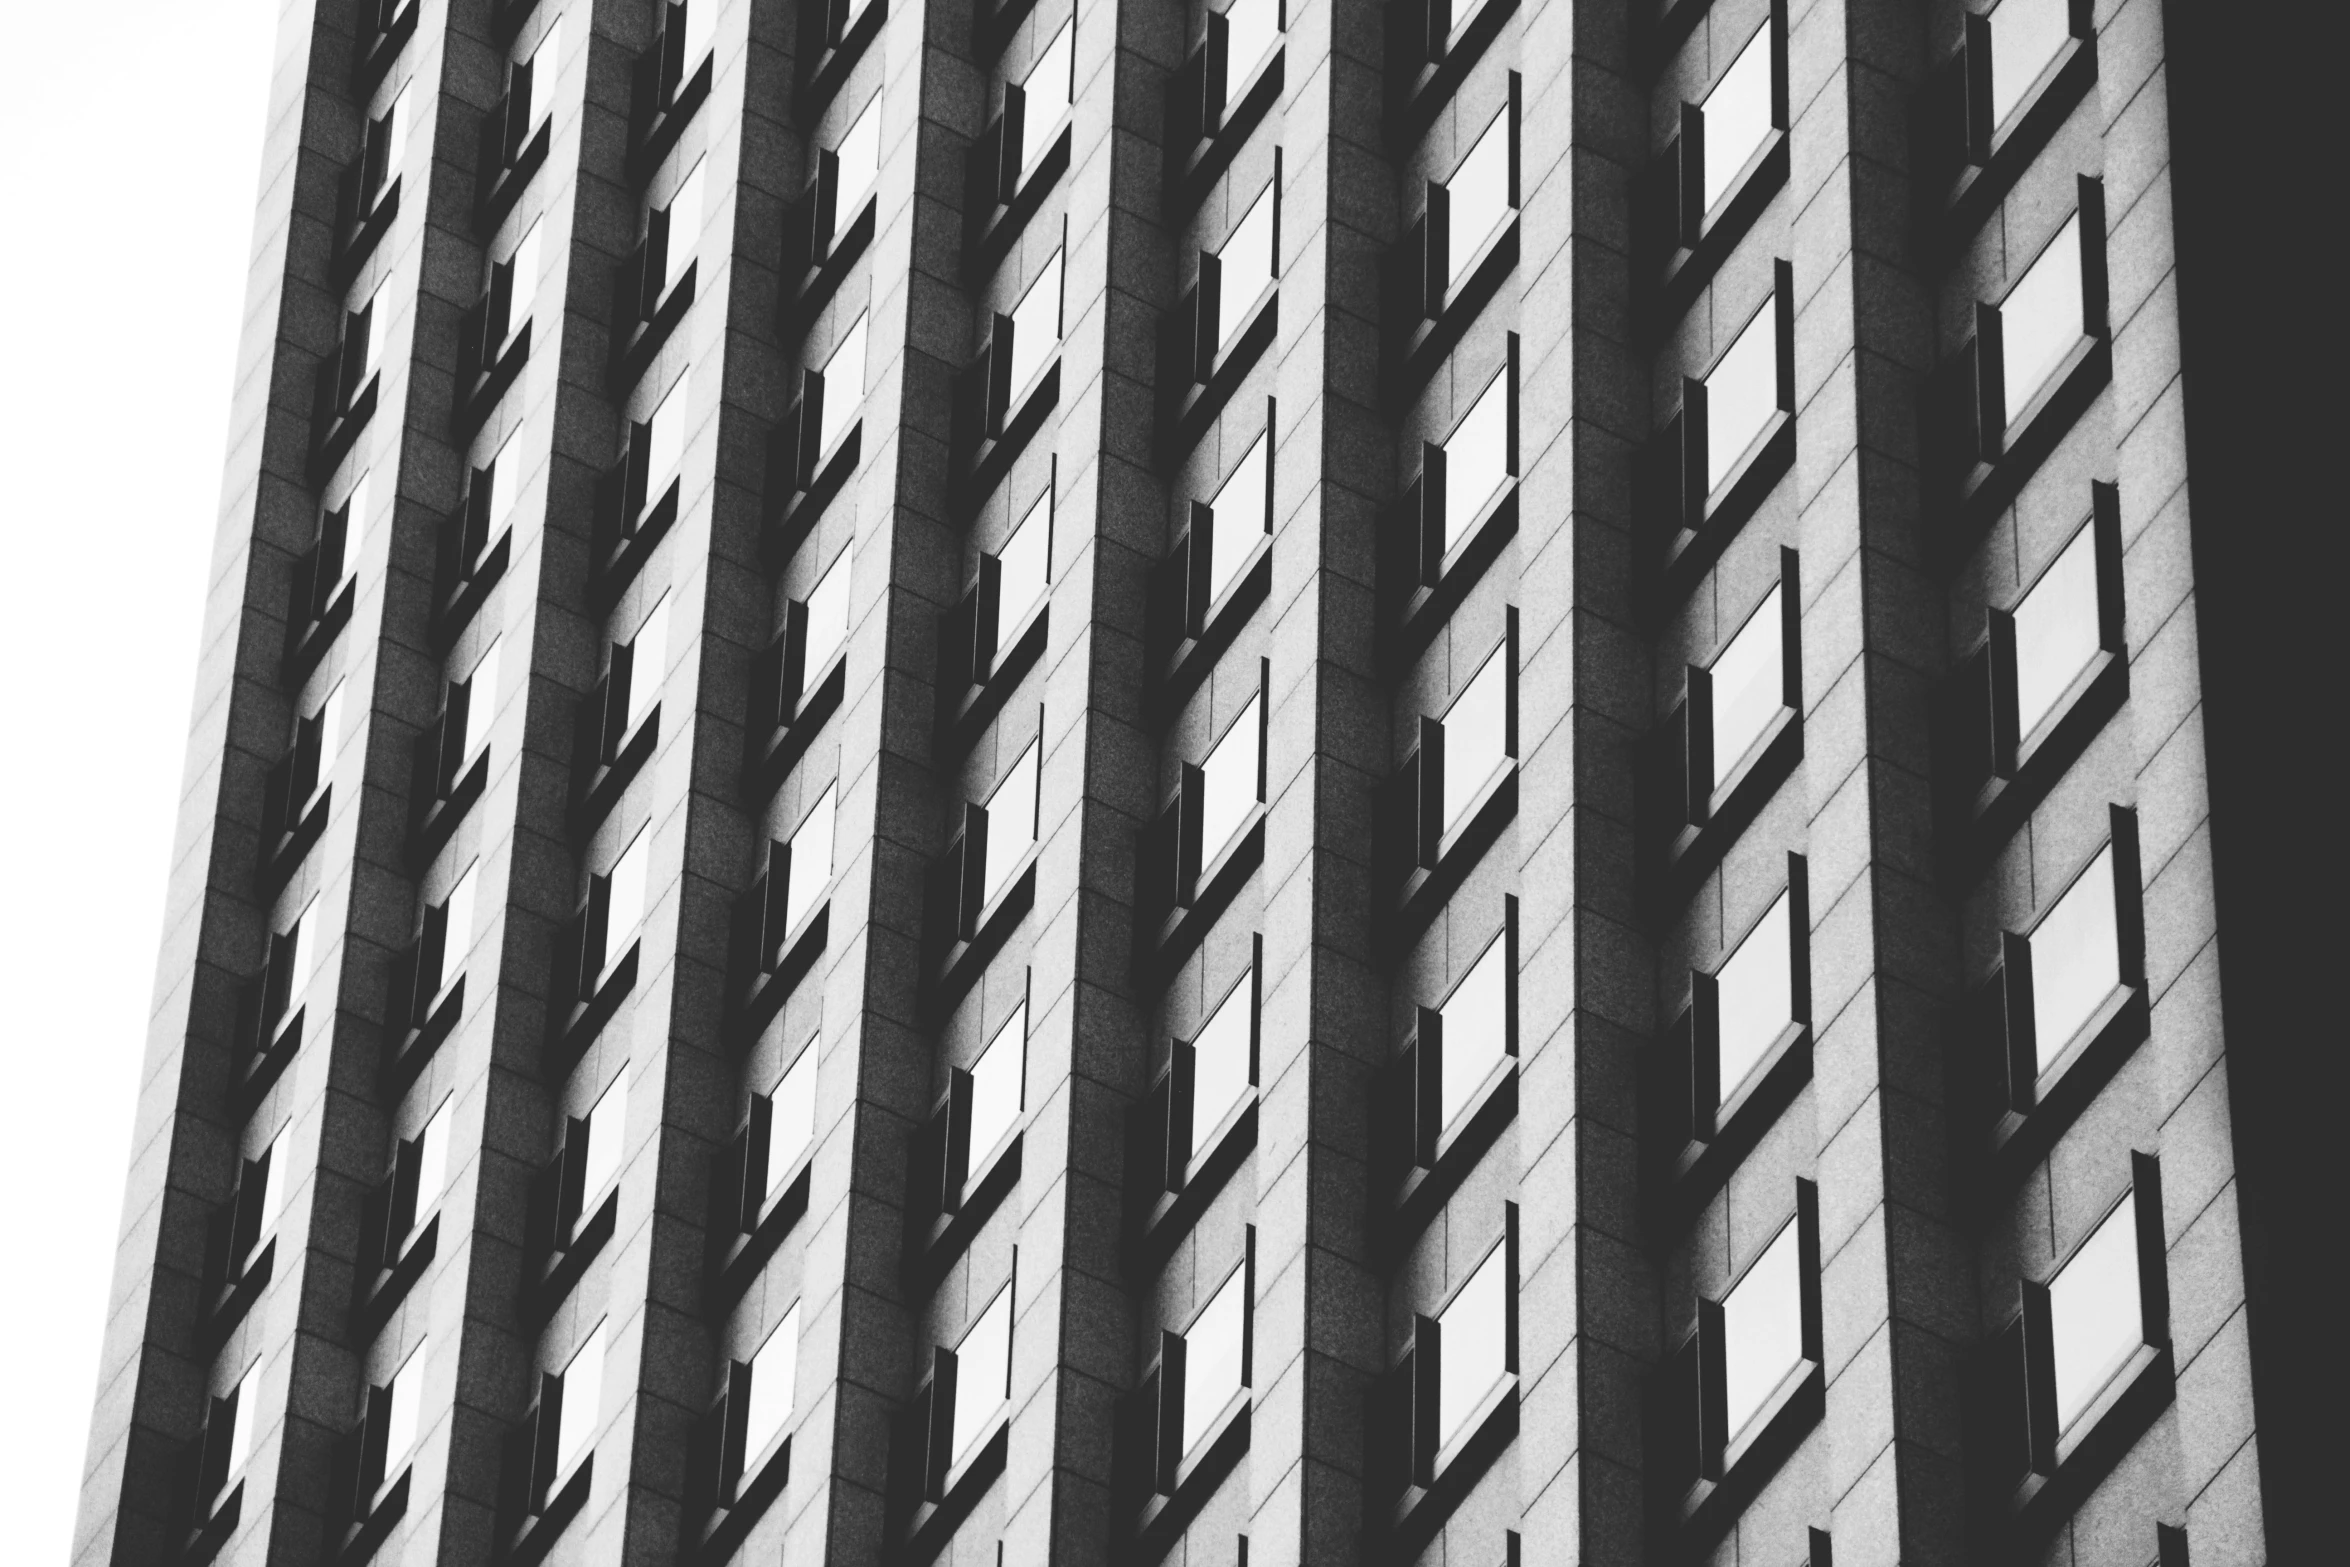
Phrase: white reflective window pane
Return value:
(355, 515)
(1047, 92)
(811, 860)
(247, 1393)
(274, 1179)
(1036, 328)
(859, 155)
(995, 1087)
(1229, 783)
(2041, 318)
(685, 225)
(1762, 1328)
(1024, 569)
(395, 134)
(665, 442)
(1479, 193)
(505, 481)
(791, 1118)
(378, 323)
(432, 1161)
(457, 921)
(309, 949)
(626, 908)
(1741, 394)
(648, 663)
(2093, 1309)
(983, 1376)
(774, 1373)
(1737, 117)
(1212, 1358)
(1249, 265)
(1220, 1064)
(547, 58)
(1240, 516)
(1252, 28)
(1476, 1029)
(2055, 631)
(583, 1402)
(330, 732)
(1755, 989)
(607, 1139)
(701, 23)
(481, 703)
(1473, 1340)
(1476, 737)
(1011, 823)
(1476, 459)
(828, 616)
(844, 386)
(1749, 686)
(526, 279)
(2025, 35)
(2076, 959)
(407, 1390)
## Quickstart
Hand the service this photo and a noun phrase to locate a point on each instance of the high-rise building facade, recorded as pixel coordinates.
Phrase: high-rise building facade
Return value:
(1064, 781)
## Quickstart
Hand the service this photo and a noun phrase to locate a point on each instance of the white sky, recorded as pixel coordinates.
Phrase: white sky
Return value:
(128, 170)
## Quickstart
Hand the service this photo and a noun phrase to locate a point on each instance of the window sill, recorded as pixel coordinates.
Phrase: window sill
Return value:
(2099, 1440)
(376, 54)
(824, 71)
(636, 348)
(804, 295)
(1424, 1190)
(617, 561)
(594, 795)
(1688, 269)
(734, 1266)
(462, 600)
(1416, 351)
(359, 1539)
(964, 715)
(202, 1543)
(282, 859)
(236, 1298)
(1684, 1179)
(1421, 1512)
(439, 818)
(1193, 171)
(988, 236)
(990, 458)
(927, 1530)
(769, 990)
(528, 1545)
(407, 1051)
(965, 959)
(791, 518)
(1708, 1510)
(478, 394)
(934, 1247)
(1162, 943)
(340, 433)
(1194, 657)
(353, 249)
(1684, 554)
(378, 1296)
(306, 643)
(1976, 827)
(723, 1534)
(555, 1277)
(1413, 104)
(1171, 1216)
(1951, 216)
(659, 131)
(773, 756)
(261, 1069)
(1689, 855)
(1426, 889)
(1165, 1516)
(2019, 1139)
(1430, 605)
(497, 199)
(572, 1030)
(1987, 486)
(1189, 410)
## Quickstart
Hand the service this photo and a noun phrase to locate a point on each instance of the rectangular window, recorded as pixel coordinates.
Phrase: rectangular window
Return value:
(2025, 37)
(1477, 459)
(2095, 1316)
(1473, 1331)
(1046, 93)
(791, 1118)
(1036, 328)
(1240, 515)
(1749, 686)
(1024, 567)
(243, 1400)
(983, 1376)
(682, 229)
(811, 860)
(505, 487)
(2076, 958)
(457, 921)
(996, 1087)
(828, 618)
(272, 1167)
(648, 662)
(625, 895)
(1755, 994)
(1762, 1330)
(607, 1140)
(665, 441)
(304, 946)
(2057, 631)
(1011, 822)
(1475, 1030)
(391, 132)
(858, 163)
(1741, 394)
(431, 1162)
(1223, 1059)
(523, 280)
(481, 705)
(701, 26)
(774, 1375)
(1252, 28)
(1215, 1359)
(1231, 780)
(1247, 264)
(582, 1403)
(1478, 199)
(844, 387)
(2041, 318)
(405, 1393)
(1477, 736)
(1738, 117)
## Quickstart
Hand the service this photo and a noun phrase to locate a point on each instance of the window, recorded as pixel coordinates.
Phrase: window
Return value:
(700, 21)
(1215, 1358)
(1240, 515)
(1224, 1059)
(1247, 264)
(475, 712)
(664, 435)
(580, 1403)
(1036, 328)
(1741, 395)
(2057, 630)
(844, 386)
(624, 891)
(2042, 317)
(983, 1377)
(1738, 118)
(996, 1086)
(1252, 28)
(2076, 958)
(681, 227)
(1232, 780)
(1476, 1030)
(1480, 456)
(431, 1163)
(828, 616)
(1011, 822)
(242, 1409)
(607, 1140)
(326, 572)
(859, 162)
(1748, 686)
(811, 860)
(1755, 995)
(270, 1202)
(523, 273)
(1477, 736)
(774, 1373)
(446, 937)
(301, 947)
(791, 1118)
(1480, 198)
(1046, 93)
(2094, 1310)
(404, 1396)
(2025, 38)
(648, 662)
(1024, 567)
(1474, 1330)
(1762, 1330)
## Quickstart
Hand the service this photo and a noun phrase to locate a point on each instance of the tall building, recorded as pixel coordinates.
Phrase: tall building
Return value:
(1068, 781)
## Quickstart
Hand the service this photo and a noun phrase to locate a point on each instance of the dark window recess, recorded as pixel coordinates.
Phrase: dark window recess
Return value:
(389, 1217)
(1208, 115)
(232, 1236)
(491, 346)
(983, 392)
(630, 519)
(1431, 44)
(1168, 861)
(954, 896)
(600, 724)
(715, 1452)
(758, 930)
(666, 90)
(384, 27)
(1677, 240)
(1956, 122)
(1427, 554)
(558, 1195)
(800, 478)
(318, 602)
(296, 786)
(440, 757)
(360, 1502)
(420, 972)
(812, 221)
(527, 1499)
(512, 145)
(939, 1158)
(269, 1024)
(581, 954)
(921, 1442)
(740, 1179)
(368, 196)
(345, 392)
(1147, 1440)
(470, 557)
(832, 34)
(201, 1476)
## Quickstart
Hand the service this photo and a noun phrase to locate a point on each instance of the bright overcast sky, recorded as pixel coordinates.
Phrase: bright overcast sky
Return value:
(129, 181)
